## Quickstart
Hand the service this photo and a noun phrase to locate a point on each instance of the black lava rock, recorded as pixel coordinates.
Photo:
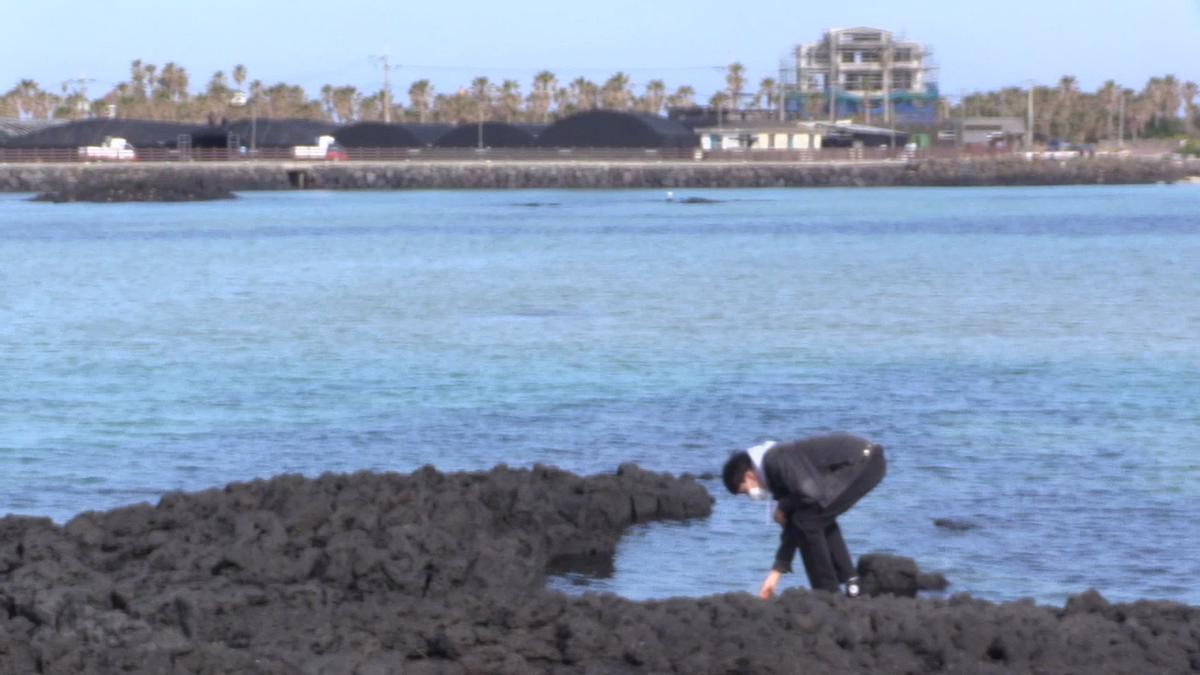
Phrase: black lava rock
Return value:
(444, 573)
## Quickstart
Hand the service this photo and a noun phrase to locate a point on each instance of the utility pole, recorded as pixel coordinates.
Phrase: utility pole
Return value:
(832, 80)
(1029, 120)
(782, 96)
(1121, 121)
(382, 59)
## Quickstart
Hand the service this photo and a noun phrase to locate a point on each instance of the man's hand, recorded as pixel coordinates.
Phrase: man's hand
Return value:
(779, 516)
(768, 585)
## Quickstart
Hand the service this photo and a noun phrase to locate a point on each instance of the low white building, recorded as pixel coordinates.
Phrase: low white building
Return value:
(760, 135)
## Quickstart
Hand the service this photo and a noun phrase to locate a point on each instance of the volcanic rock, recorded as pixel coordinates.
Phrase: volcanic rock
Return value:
(444, 573)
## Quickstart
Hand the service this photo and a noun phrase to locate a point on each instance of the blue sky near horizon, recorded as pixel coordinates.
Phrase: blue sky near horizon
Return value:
(680, 42)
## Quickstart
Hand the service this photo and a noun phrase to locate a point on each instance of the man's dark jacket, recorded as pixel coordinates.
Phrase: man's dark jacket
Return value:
(814, 476)
(817, 479)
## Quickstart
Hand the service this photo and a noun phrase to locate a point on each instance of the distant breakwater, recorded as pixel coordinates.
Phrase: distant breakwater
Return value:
(630, 174)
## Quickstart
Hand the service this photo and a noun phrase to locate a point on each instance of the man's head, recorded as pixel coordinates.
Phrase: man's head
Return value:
(739, 475)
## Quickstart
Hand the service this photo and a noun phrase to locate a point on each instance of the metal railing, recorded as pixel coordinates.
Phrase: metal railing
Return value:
(861, 154)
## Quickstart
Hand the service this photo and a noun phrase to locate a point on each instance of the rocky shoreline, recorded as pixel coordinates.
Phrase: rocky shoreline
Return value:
(445, 573)
(183, 178)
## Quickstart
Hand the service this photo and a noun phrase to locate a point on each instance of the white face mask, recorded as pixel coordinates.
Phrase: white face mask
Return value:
(757, 494)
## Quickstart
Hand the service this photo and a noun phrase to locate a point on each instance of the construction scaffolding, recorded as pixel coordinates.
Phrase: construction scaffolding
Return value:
(865, 75)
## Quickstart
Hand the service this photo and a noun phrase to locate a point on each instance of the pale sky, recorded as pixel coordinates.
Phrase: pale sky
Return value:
(978, 45)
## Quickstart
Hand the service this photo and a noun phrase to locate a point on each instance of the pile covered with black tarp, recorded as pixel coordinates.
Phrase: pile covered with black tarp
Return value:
(139, 133)
(381, 135)
(494, 135)
(262, 132)
(613, 129)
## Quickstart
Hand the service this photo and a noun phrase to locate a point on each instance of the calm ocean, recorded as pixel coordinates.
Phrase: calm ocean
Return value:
(1029, 356)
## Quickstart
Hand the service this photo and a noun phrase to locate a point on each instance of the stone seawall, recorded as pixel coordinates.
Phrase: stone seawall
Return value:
(666, 175)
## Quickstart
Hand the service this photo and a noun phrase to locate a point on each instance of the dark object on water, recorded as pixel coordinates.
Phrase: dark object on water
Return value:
(953, 524)
(612, 129)
(534, 205)
(698, 200)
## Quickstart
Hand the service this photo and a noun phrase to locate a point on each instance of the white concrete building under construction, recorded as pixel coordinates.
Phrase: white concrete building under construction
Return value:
(864, 73)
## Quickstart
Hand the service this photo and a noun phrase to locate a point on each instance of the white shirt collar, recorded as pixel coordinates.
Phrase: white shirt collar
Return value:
(756, 456)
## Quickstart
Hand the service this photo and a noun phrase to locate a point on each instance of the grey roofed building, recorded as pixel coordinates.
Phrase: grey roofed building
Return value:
(615, 129)
(139, 133)
(991, 131)
(382, 135)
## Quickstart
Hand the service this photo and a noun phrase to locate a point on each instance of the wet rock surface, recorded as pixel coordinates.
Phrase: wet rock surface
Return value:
(110, 187)
(444, 573)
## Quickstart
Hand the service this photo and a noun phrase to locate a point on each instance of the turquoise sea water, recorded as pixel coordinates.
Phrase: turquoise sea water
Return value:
(1029, 356)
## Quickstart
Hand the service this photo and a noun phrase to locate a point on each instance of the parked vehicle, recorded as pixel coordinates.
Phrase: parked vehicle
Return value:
(318, 151)
(113, 148)
(336, 153)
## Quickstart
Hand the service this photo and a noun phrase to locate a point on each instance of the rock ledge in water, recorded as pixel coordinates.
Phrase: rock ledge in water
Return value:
(444, 573)
(149, 188)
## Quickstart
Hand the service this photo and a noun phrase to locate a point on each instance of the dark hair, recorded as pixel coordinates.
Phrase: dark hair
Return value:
(735, 470)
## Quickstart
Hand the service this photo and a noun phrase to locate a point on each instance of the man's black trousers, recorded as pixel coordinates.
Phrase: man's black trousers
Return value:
(826, 558)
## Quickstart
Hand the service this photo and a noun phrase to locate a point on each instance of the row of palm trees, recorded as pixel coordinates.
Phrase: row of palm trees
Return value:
(1163, 107)
(1112, 111)
(164, 93)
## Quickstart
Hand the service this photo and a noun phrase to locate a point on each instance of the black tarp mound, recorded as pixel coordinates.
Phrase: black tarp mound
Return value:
(495, 135)
(612, 129)
(263, 133)
(140, 133)
(380, 135)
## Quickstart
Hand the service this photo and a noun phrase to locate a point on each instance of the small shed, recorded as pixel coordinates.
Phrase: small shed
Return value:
(616, 129)
(381, 135)
(990, 131)
(492, 134)
(93, 132)
(262, 132)
(759, 136)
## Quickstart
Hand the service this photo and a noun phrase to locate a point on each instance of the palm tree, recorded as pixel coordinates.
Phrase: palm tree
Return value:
(1064, 107)
(684, 97)
(345, 100)
(615, 94)
(735, 83)
(582, 94)
(28, 95)
(719, 101)
(768, 90)
(1189, 91)
(420, 98)
(509, 102)
(656, 94)
(545, 84)
(483, 94)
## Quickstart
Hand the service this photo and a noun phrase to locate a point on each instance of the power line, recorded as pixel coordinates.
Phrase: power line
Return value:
(387, 92)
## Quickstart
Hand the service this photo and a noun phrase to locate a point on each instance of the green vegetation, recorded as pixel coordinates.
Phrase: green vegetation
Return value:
(1163, 108)
(1066, 112)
